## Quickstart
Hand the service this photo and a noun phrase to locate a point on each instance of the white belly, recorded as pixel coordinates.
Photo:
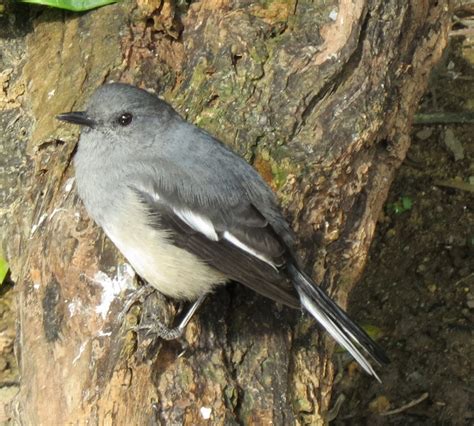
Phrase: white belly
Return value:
(171, 270)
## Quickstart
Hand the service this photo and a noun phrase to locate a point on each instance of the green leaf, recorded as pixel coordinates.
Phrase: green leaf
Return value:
(73, 5)
(402, 205)
(374, 332)
(3, 269)
(407, 203)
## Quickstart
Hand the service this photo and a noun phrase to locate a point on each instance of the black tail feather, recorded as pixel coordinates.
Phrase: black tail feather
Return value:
(337, 322)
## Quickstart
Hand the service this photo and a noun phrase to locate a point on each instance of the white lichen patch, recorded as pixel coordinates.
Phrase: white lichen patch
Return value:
(68, 185)
(38, 224)
(112, 287)
(55, 211)
(74, 306)
(81, 349)
(206, 412)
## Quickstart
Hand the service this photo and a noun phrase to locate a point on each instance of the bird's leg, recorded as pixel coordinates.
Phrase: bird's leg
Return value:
(167, 333)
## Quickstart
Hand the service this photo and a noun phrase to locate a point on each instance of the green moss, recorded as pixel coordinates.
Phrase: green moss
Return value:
(259, 53)
(207, 121)
(186, 377)
(231, 395)
(227, 86)
(199, 74)
(214, 373)
(280, 164)
(246, 407)
(268, 368)
(302, 405)
(280, 176)
(267, 3)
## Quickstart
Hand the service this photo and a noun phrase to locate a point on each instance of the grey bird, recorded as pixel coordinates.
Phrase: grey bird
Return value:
(189, 214)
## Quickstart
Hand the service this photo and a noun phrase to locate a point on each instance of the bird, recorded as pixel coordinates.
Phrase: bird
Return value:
(190, 215)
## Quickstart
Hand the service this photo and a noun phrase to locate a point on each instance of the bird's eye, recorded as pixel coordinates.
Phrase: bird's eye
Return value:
(125, 119)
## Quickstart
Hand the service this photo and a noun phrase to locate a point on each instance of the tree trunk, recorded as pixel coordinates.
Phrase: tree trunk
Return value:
(318, 96)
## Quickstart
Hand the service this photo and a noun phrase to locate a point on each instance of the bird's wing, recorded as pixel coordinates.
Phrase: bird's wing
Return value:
(236, 240)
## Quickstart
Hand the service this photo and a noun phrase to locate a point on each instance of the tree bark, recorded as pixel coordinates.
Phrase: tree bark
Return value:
(318, 96)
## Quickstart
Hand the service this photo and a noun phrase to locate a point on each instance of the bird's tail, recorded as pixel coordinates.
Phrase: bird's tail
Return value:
(347, 333)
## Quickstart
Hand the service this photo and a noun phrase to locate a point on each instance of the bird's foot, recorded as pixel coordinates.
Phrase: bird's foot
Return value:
(139, 295)
(156, 327)
(161, 330)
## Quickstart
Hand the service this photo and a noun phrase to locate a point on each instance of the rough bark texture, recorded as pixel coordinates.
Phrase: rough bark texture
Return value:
(317, 95)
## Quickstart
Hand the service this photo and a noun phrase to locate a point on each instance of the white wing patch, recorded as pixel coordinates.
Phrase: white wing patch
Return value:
(233, 240)
(205, 226)
(198, 223)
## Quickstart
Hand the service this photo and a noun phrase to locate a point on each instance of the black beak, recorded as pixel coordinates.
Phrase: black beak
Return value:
(76, 117)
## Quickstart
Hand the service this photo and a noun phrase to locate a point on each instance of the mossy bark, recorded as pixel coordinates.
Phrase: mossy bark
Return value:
(319, 96)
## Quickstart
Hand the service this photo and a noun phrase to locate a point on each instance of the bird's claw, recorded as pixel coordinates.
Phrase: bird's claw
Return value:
(138, 295)
(157, 328)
